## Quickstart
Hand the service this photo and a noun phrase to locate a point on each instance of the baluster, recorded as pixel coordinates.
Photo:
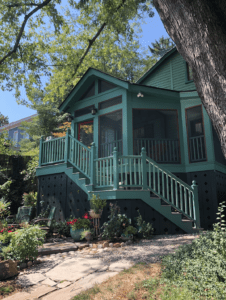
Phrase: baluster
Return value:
(195, 157)
(148, 154)
(190, 207)
(126, 162)
(170, 151)
(158, 181)
(155, 152)
(163, 185)
(130, 171)
(135, 171)
(154, 187)
(176, 194)
(197, 143)
(202, 152)
(97, 173)
(173, 145)
(181, 198)
(172, 197)
(167, 151)
(152, 150)
(163, 152)
(167, 185)
(185, 200)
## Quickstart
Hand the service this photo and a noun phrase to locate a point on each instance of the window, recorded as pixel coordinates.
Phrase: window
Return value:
(110, 102)
(189, 72)
(90, 92)
(104, 86)
(15, 136)
(26, 136)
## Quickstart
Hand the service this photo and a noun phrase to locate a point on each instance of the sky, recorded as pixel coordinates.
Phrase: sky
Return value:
(151, 31)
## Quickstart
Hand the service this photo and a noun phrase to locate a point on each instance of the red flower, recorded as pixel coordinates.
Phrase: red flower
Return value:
(10, 231)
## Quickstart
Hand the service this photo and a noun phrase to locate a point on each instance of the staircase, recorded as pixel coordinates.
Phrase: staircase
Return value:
(126, 177)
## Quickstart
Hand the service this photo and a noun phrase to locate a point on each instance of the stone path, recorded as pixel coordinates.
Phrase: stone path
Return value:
(65, 275)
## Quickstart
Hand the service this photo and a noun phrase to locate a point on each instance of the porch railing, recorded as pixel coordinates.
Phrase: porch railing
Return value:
(131, 171)
(106, 149)
(160, 150)
(52, 151)
(197, 148)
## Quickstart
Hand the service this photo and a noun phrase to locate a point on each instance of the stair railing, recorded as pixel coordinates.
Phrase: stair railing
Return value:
(174, 191)
(78, 155)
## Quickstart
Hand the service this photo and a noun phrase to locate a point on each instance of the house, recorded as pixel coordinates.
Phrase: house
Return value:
(15, 133)
(149, 146)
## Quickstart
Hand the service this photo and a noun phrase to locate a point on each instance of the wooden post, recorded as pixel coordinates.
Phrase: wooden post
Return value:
(115, 168)
(92, 164)
(196, 204)
(66, 146)
(40, 151)
(144, 168)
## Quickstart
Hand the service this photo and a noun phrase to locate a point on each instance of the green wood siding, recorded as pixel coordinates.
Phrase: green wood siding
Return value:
(171, 74)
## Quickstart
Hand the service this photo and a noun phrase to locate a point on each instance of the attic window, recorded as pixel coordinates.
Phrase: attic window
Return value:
(189, 72)
(90, 92)
(83, 111)
(110, 102)
(104, 86)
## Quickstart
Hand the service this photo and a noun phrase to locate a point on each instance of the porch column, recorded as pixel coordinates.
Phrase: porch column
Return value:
(127, 127)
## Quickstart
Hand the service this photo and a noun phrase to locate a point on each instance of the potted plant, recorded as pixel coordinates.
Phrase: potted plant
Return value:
(97, 206)
(87, 234)
(78, 225)
(128, 233)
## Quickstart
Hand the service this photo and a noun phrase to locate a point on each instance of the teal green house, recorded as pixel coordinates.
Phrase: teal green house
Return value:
(148, 145)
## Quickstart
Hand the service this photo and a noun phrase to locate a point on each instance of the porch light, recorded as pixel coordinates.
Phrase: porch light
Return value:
(93, 111)
(70, 118)
(140, 94)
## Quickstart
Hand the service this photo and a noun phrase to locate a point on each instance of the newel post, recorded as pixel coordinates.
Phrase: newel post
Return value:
(92, 164)
(66, 149)
(40, 150)
(115, 168)
(144, 168)
(196, 204)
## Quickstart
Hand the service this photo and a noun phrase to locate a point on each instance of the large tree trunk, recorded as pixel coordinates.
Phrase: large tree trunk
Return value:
(198, 28)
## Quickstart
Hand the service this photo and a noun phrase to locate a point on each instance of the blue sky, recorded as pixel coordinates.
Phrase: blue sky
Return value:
(152, 30)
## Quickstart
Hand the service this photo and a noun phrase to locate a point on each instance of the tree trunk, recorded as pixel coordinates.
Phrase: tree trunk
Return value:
(198, 29)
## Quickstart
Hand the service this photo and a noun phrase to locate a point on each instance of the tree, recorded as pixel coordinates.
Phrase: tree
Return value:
(161, 47)
(3, 120)
(200, 37)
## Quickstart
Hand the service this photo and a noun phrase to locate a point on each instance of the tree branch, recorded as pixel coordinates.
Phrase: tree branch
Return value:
(93, 40)
(46, 2)
(19, 5)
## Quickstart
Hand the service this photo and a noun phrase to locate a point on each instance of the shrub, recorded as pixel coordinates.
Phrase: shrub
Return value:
(4, 207)
(145, 229)
(24, 244)
(30, 199)
(112, 228)
(60, 227)
(130, 230)
(200, 266)
(80, 223)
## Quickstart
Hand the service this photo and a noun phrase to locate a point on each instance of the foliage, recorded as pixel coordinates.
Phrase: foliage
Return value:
(96, 203)
(60, 227)
(85, 232)
(112, 228)
(30, 199)
(200, 266)
(44, 212)
(145, 229)
(124, 221)
(3, 120)
(80, 223)
(4, 208)
(64, 127)
(24, 244)
(130, 230)
(5, 234)
(30, 173)
(6, 144)
(161, 47)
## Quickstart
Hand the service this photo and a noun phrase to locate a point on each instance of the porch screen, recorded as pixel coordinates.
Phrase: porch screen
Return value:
(110, 133)
(85, 133)
(157, 131)
(195, 132)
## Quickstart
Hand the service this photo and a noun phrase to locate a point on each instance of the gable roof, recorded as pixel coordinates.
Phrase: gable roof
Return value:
(162, 59)
(88, 78)
(17, 123)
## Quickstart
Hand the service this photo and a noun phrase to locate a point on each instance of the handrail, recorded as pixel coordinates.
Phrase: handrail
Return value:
(52, 151)
(79, 156)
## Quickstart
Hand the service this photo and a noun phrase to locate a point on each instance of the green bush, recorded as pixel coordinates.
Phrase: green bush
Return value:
(112, 228)
(96, 203)
(200, 266)
(145, 229)
(24, 244)
(30, 199)
(60, 227)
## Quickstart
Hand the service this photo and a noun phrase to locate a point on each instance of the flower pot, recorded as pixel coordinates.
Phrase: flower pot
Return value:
(76, 234)
(126, 237)
(94, 215)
